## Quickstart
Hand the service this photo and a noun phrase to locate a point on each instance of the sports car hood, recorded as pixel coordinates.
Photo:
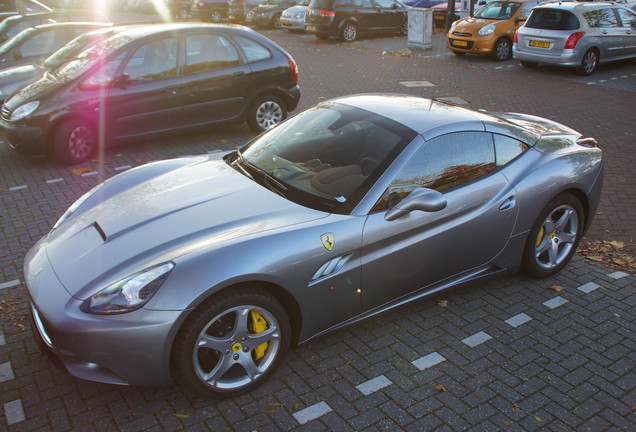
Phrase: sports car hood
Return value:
(158, 212)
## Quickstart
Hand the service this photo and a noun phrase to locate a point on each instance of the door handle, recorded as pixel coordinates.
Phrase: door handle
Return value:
(508, 203)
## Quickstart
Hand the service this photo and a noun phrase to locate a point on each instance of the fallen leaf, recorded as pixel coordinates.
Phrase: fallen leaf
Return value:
(515, 408)
(548, 378)
(181, 416)
(440, 387)
(617, 244)
(616, 315)
(557, 288)
(139, 161)
(221, 140)
(525, 379)
(595, 258)
(80, 171)
(562, 428)
(296, 405)
(538, 419)
(442, 303)
(506, 423)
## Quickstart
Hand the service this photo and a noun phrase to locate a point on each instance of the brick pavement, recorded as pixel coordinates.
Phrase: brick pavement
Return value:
(510, 354)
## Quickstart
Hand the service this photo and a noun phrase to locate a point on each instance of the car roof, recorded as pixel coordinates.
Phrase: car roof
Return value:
(97, 25)
(150, 29)
(574, 5)
(431, 118)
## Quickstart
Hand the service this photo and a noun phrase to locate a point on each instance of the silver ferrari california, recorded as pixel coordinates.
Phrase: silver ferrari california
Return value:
(204, 270)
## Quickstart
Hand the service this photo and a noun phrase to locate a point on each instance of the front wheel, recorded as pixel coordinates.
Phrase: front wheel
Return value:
(265, 113)
(349, 32)
(75, 141)
(502, 50)
(216, 16)
(182, 13)
(554, 237)
(232, 343)
(275, 23)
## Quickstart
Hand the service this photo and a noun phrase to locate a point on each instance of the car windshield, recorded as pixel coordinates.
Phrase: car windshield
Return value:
(324, 158)
(71, 49)
(93, 55)
(275, 2)
(498, 10)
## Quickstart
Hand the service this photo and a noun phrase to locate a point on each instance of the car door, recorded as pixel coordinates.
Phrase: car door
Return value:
(604, 24)
(422, 248)
(213, 79)
(628, 31)
(366, 15)
(144, 98)
(390, 15)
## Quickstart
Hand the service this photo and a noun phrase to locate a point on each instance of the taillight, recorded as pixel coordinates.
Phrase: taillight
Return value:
(326, 13)
(516, 40)
(201, 3)
(294, 70)
(573, 40)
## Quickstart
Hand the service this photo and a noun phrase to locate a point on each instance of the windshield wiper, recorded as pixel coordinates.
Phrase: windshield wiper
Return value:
(238, 163)
(271, 182)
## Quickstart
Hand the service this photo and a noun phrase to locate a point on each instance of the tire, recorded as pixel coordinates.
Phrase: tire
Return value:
(554, 237)
(75, 141)
(265, 113)
(528, 64)
(502, 50)
(349, 32)
(218, 352)
(182, 13)
(588, 63)
(275, 23)
(216, 16)
(405, 28)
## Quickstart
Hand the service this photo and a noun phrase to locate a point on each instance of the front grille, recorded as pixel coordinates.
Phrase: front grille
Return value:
(464, 34)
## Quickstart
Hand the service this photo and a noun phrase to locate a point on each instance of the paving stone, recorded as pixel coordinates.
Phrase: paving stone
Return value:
(312, 413)
(13, 412)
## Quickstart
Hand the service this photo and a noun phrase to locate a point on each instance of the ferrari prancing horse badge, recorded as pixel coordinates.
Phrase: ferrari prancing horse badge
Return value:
(328, 241)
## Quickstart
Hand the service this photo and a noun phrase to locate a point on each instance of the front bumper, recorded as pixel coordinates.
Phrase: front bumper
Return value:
(475, 45)
(292, 23)
(126, 349)
(24, 139)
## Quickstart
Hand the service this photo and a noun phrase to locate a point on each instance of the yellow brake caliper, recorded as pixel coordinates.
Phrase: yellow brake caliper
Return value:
(259, 325)
(540, 237)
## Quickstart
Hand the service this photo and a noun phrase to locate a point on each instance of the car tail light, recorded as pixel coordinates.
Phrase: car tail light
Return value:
(294, 70)
(201, 3)
(516, 38)
(326, 13)
(573, 40)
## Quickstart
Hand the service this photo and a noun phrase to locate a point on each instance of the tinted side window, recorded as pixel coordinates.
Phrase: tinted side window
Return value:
(153, 60)
(628, 18)
(441, 164)
(43, 43)
(525, 10)
(506, 149)
(253, 50)
(362, 3)
(209, 52)
(601, 18)
(552, 19)
(342, 3)
(385, 4)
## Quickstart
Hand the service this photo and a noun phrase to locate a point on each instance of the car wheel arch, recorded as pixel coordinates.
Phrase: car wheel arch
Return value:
(57, 122)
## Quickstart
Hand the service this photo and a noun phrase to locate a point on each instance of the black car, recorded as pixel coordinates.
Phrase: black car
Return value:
(239, 9)
(210, 10)
(149, 80)
(268, 14)
(34, 44)
(15, 24)
(347, 19)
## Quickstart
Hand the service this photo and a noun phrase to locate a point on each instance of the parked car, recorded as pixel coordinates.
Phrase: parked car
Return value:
(490, 30)
(578, 35)
(180, 9)
(348, 19)
(210, 10)
(34, 44)
(441, 10)
(351, 208)
(269, 13)
(149, 80)
(238, 9)
(293, 18)
(14, 78)
(423, 3)
(8, 9)
(15, 24)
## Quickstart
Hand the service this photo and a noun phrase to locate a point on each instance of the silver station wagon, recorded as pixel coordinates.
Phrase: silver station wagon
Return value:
(579, 35)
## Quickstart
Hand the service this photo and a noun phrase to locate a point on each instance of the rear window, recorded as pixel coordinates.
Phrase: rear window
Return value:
(321, 4)
(552, 19)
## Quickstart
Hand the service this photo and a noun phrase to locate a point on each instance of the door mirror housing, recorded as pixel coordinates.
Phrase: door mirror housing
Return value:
(17, 55)
(422, 199)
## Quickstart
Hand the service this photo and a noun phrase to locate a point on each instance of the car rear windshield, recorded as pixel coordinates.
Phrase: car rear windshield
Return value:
(552, 19)
(321, 4)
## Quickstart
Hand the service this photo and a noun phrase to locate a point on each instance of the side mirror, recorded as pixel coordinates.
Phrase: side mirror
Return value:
(422, 199)
(122, 81)
(522, 18)
(17, 55)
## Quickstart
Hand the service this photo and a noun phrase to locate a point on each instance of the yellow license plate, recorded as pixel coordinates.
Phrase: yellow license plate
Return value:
(311, 28)
(460, 43)
(248, 19)
(284, 21)
(540, 44)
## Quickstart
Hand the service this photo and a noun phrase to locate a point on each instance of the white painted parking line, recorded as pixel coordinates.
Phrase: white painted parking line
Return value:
(417, 84)
(13, 412)
(618, 275)
(555, 302)
(88, 174)
(477, 339)
(312, 413)
(56, 180)
(2, 339)
(428, 361)
(10, 284)
(6, 373)
(123, 167)
(518, 320)
(372, 386)
(588, 287)
(15, 188)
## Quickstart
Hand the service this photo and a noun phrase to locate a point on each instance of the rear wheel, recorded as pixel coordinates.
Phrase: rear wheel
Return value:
(349, 32)
(75, 141)
(265, 113)
(589, 62)
(554, 237)
(276, 22)
(216, 16)
(232, 343)
(502, 50)
(182, 13)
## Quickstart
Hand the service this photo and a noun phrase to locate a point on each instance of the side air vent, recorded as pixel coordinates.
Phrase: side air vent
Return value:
(331, 267)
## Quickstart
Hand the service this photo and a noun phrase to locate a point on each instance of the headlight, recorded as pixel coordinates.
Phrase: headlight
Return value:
(76, 205)
(489, 29)
(130, 293)
(453, 25)
(24, 110)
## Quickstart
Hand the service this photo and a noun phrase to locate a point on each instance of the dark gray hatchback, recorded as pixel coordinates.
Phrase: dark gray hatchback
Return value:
(151, 80)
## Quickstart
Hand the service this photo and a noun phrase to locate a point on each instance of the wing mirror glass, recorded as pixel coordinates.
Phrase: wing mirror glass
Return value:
(421, 199)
